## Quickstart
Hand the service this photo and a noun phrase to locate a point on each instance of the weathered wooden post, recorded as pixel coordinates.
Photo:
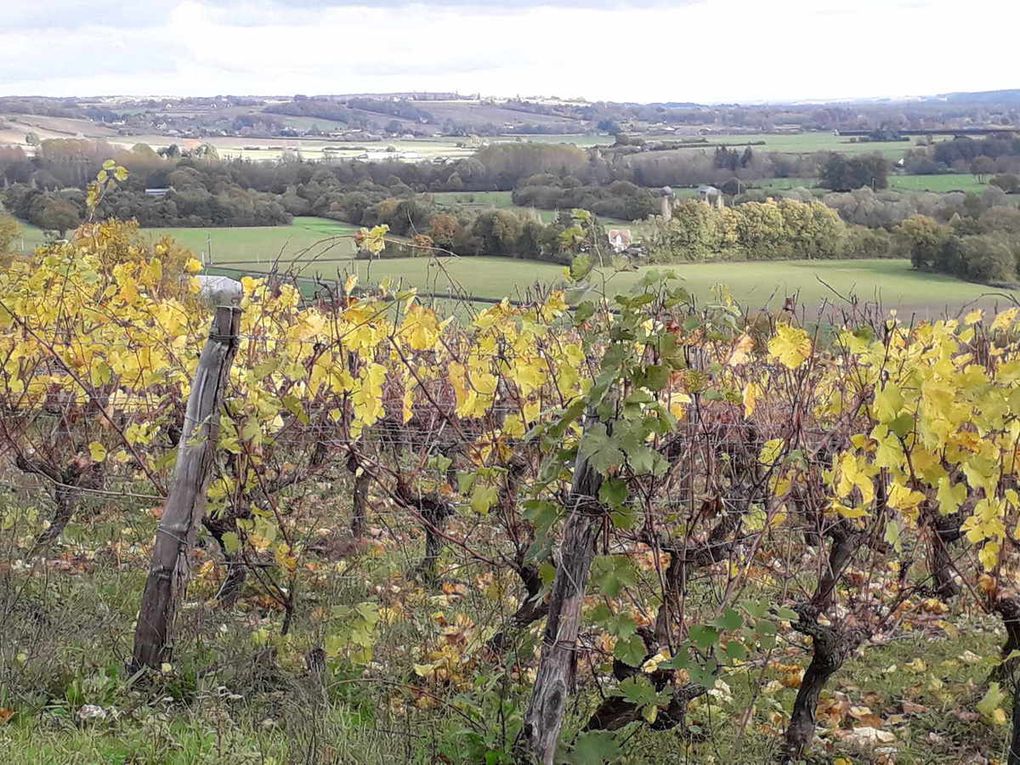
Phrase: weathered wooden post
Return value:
(557, 667)
(175, 536)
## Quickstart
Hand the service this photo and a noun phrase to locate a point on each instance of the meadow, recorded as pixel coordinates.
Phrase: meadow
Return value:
(312, 247)
(890, 283)
(939, 184)
(309, 239)
(808, 142)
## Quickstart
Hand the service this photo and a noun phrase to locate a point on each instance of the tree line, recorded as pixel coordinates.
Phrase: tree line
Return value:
(983, 249)
(771, 230)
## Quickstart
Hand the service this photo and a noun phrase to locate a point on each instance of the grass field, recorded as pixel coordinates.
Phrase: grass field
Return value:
(308, 239)
(892, 283)
(783, 184)
(310, 246)
(938, 183)
(799, 143)
(481, 200)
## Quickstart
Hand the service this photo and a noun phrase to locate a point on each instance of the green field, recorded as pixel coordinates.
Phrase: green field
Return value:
(906, 182)
(479, 200)
(310, 246)
(307, 239)
(893, 283)
(800, 143)
(783, 184)
(937, 183)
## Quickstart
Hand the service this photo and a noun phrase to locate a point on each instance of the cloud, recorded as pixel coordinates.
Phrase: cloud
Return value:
(55, 15)
(70, 14)
(644, 50)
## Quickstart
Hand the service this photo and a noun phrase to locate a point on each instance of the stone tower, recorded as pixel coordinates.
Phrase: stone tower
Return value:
(666, 199)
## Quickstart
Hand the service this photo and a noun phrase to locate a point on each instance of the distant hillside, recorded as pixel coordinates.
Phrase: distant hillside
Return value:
(388, 117)
(985, 97)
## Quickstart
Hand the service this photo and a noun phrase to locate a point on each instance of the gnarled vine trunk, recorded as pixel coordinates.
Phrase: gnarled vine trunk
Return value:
(830, 648)
(359, 497)
(1008, 609)
(434, 509)
(67, 487)
(237, 569)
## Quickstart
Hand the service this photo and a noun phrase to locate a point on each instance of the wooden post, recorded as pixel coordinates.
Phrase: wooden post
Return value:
(170, 568)
(555, 680)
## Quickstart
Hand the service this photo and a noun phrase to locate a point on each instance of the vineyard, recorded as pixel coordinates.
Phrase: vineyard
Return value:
(638, 528)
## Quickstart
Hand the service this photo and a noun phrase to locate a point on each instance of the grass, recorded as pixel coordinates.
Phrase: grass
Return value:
(937, 183)
(478, 200)
(801, 143)
(906, 182)
(893, 283)
(308, 247)
(306, 238)
(238, 692)
(783, 184)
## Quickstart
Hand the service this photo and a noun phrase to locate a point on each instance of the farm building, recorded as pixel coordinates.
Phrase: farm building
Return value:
(620, 239)
(710, 195)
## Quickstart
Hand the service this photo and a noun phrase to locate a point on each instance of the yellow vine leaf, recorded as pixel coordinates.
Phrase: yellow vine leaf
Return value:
(791, 346)
(752, 392)
(1005, 319)
(741, 352)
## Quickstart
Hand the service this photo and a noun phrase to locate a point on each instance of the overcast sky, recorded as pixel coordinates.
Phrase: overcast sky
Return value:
(642, 50)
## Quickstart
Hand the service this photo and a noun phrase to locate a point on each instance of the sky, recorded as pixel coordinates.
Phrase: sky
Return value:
(709, 51)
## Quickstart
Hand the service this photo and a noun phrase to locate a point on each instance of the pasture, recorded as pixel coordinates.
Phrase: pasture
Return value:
(308, 239)
(312, 247)
(803, 143)
(316, 246)
(937, 183)
(891, 283)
